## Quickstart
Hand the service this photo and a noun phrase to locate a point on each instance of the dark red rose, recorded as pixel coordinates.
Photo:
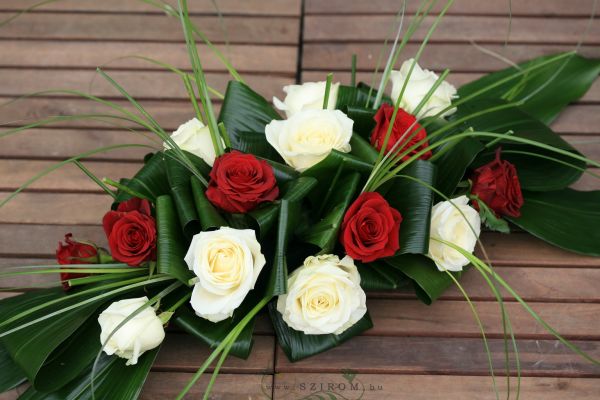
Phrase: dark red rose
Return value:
(239, 182)
(371, 228)
(403, 130)
(74, 252)
(131, 232)
(497, 185)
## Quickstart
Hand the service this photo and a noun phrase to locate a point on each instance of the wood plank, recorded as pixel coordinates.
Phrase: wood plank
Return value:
(150, 28)
(183, 353)
(167, 385)
(82, 54)
(451, 356)
(162, 85)
(429, 387)
(454, 319)
(67, 178)
(456, 57)
(236, 7)
(481, 29)
(575, 120)
(539, 8)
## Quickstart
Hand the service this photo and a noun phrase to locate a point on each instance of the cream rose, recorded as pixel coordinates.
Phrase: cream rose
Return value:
(141, 333)
(448, 224)
(419, 84)
(227, 263)
(194, 137)
(324, 296)
(309, 136)
(308, 96)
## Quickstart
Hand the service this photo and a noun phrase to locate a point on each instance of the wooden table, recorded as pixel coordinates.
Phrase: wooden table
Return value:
(414, 351)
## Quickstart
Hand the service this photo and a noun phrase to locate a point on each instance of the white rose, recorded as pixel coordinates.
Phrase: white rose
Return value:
(308, 96)
(324, 296)
(448, 224)
(194, 137)
(419, 84)
(141, 333)
(227, 263)
(309, 136)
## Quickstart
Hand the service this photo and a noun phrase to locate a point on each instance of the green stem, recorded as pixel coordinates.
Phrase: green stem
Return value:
(95, 179)
(327, 90)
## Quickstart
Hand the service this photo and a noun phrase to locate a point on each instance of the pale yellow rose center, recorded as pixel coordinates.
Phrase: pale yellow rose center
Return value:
(225, 261)
(319, 301)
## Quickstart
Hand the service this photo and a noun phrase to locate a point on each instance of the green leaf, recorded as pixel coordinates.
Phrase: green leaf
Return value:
(362, 149)
(566, 218)
(171, 244)
(151, 180)
(256, 143)
(12, 375)
(283, 173)
(179, 178)
(350, 96)
(210, 218)
(114, 380)
(490, 220)
(380, 276)
(535, 173)
(243, 111)
(297, 346)
(414, 201)
(288, 218)
(32, 346)
(429, 282)
(212, 333)
(324, 233)
(363, 120)
(561, 85)
(453, 163)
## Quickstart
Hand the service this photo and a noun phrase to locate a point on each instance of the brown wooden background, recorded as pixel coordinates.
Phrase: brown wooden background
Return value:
(414, 351)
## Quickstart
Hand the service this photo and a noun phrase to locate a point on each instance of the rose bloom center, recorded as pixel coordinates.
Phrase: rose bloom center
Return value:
(225, 262)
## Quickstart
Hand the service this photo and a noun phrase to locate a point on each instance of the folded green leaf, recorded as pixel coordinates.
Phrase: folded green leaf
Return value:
(453, 163)
(565, 218)
(362, 149)
(355, 96)
(414, 201)
(12, 375)
(244, 110)
(172, 246)
(210, 218)
(363, 120)
(551, 87)
(151, 180)
(255, 143)
(380, 276)
(297, 346)
(179, 178)
(429, 282)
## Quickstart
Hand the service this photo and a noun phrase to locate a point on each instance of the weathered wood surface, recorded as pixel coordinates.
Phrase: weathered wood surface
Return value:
(414, 351)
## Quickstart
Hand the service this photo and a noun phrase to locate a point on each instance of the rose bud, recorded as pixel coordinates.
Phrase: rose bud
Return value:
(74, 252)
(239, 182)
(131, 232)
(371, 228)
(497, 185)
(141, 333)
(405, 129)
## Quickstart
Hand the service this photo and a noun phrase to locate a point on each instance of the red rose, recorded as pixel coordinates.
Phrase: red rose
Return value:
(74, 252)
(131, 232)
(404, 127)
(371, 228)
(497, 185)
(239, 182)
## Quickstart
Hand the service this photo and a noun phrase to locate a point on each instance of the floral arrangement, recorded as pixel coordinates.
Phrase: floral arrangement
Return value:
(352, 191)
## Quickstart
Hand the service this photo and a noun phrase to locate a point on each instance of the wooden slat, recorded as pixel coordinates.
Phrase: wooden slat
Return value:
(141, 85)
(255, 58)
(152, 28)
(246, 7)
(484, 29)
(456, 57)
(530, 7)
(167, 385)
(183, 353)
(577, 119)
(453, 356)
(428, 387)
(455, 319)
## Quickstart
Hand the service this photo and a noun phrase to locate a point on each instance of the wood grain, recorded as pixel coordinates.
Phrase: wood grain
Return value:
(292, 386)
(446, 356)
